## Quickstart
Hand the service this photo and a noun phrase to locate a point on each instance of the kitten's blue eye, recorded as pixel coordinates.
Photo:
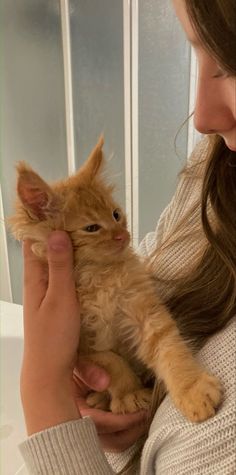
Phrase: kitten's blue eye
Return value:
(92, 228)
(116, 214)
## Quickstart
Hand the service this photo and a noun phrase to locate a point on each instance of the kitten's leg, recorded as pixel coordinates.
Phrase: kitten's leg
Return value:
(159, 345)
(126, 392)
(99, 400)
(133, 401)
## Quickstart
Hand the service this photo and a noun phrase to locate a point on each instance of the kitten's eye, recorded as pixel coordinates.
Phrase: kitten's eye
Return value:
(116, 214)
(92, 228)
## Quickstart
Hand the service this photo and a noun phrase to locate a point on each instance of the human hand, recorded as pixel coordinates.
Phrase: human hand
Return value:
(51, 335)
(116, 432)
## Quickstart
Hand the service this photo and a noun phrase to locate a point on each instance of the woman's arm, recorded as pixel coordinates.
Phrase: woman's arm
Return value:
(50, 307)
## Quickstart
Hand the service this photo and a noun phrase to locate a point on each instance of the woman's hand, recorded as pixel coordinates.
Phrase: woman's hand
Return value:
(51, 335)
(116, 432)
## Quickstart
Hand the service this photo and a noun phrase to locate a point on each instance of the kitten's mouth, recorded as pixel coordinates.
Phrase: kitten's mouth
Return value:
(121, 245)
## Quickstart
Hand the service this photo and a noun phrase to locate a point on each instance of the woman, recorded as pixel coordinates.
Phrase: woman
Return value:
(193, 252)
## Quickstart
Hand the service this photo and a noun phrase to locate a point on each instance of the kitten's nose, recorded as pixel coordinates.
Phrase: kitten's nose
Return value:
(121, 236)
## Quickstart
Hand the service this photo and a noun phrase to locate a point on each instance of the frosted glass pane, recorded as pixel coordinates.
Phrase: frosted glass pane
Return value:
(97, 66)
(32, 104)
(163, 106)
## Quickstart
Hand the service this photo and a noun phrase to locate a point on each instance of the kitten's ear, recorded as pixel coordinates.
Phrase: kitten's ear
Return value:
(94, 163)
(34, 193)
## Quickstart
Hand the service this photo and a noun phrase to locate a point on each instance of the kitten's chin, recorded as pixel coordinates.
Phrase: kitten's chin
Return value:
(114, 254)
(120, 253)
(102, 256)
(120, 246)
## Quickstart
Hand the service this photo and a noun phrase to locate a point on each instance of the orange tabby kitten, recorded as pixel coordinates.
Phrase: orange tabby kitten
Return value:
(124, 326)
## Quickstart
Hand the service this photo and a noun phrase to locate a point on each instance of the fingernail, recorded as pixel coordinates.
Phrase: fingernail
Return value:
(58, 241)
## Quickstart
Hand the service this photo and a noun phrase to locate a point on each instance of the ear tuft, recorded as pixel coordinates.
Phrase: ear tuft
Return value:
(95, 160)
(92, 167)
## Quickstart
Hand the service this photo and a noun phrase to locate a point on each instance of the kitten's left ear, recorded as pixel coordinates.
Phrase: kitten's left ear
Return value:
(94, 163)
(36, 196)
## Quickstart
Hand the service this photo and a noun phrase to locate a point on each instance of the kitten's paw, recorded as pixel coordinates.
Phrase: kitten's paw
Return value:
(132, 402)
(200, 400)
(99, 400)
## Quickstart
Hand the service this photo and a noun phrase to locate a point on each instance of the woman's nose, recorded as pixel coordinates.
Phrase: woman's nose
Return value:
(212, 112)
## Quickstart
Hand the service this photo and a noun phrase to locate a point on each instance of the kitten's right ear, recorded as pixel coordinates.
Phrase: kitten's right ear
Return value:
(34, 193)
(93, 165)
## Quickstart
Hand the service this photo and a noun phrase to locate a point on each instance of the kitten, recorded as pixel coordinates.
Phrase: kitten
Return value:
(125, 328)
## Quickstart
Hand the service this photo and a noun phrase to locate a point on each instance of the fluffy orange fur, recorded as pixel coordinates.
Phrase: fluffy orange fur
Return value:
(125, 328)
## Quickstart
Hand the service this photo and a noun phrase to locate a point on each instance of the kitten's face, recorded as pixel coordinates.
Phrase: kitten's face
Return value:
(82, 205)
(96, 224)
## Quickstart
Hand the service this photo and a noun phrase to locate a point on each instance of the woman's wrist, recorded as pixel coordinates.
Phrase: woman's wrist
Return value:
(47, 407)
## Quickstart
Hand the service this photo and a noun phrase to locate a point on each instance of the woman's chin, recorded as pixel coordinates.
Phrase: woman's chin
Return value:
(230, 147)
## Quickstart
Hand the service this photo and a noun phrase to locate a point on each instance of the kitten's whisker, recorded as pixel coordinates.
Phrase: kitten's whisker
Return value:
(110, 158)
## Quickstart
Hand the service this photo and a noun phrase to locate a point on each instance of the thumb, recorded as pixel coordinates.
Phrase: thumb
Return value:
(60, 263)
(93, 376)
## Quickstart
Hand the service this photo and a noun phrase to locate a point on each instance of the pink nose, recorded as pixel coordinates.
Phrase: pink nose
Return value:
(121, 237)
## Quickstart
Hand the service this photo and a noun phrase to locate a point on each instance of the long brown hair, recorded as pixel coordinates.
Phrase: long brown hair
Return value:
(215, 25)
(205, 300)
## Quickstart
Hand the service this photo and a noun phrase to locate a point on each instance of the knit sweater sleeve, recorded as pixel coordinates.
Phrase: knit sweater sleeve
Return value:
(71, 448)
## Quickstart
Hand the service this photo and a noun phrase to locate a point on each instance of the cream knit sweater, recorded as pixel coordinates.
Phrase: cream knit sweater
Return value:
(174, 446)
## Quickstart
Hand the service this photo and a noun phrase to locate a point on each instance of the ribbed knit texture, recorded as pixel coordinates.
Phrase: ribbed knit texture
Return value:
(66, 449)
(177, 258)
(178, 447)
(174, 446)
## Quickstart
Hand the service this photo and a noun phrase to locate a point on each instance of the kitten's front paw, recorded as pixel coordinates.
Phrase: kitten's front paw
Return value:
(200, 400)
(132, 402)
(99, 400)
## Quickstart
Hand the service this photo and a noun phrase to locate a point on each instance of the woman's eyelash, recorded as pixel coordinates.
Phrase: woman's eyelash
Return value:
(221, 74)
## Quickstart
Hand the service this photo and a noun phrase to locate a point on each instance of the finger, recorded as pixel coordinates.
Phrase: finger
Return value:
(60, 263)
(82, 390)
(93, 376)
(120, 441)
(108, 423)
(35, 279)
